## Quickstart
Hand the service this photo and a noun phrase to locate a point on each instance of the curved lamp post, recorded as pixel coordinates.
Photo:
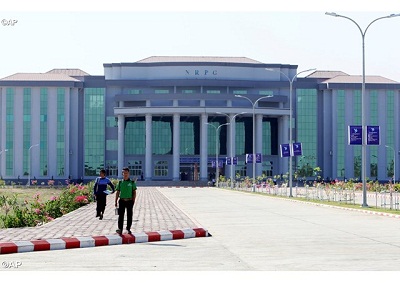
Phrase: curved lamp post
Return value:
(216, 150)
(254, 133)
(364, 131)
(231, 121)
(291, 80)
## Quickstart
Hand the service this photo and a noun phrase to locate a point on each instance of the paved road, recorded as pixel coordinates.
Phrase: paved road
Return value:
(249, 233)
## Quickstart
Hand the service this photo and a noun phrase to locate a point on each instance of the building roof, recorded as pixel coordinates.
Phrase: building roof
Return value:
(358, 79)
(39, 77)
(69, 72)
(194, 59)
(326, 74)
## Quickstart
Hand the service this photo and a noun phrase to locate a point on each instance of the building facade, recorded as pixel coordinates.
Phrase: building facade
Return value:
(171, 118)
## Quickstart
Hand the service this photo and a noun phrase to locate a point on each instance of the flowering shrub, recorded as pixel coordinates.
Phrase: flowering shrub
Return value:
(39, 212)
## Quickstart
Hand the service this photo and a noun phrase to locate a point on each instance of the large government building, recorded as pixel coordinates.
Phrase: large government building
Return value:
(171, 118)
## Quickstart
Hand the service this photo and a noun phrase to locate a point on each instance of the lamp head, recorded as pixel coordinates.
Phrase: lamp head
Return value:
(332, 14)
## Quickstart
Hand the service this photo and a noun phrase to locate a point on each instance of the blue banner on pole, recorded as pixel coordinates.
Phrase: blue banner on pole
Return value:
(285, 150)
(297, 151)
(258, 158)
(355, 135)
(229, 160)
(249, 158)
(373, 137)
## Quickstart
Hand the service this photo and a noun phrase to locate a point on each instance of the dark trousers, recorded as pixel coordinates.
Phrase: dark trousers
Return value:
(128, 205)
(101, 200)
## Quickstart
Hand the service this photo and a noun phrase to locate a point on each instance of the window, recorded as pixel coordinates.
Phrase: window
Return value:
(215, 91)
(112, 145)
(240, 92)
(134, 91)
(135, 168)
(187, 91)
(161, 169)
(111, 122)
(265, 92)
(161, 91)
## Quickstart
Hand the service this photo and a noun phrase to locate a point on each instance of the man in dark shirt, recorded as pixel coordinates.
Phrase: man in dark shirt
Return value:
(100, 191)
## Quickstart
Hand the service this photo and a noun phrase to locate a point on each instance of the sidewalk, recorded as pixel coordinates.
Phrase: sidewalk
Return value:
(153, 212)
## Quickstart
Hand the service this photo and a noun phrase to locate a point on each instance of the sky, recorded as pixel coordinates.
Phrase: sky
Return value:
(38, 37)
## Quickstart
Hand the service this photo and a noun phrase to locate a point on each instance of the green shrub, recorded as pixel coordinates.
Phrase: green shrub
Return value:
(39, 212)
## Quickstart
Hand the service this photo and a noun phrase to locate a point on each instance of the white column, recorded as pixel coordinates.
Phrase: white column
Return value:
(203, 147)
(176, 147)
(259, 140)
(149, 150)
(283, 126)
(121, 143)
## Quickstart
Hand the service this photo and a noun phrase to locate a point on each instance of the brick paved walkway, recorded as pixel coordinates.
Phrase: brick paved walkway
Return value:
(152, 212)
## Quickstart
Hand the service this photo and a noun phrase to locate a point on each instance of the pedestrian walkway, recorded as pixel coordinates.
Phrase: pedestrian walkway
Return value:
(153, 212)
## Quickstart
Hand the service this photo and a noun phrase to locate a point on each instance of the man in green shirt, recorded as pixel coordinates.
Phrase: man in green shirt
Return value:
(125, 199)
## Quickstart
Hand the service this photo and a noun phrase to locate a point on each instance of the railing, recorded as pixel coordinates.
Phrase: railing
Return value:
(386, 199)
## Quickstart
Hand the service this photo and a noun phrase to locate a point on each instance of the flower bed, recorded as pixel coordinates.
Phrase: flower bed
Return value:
(38, 212)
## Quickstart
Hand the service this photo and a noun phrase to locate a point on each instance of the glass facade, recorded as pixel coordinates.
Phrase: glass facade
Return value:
(162, 135)
(307, 126)
(135, 136)
(189, 135)
(60, 131)
(43, 131)
(373, 120)
(26, 130)
(94, 138)
(341, 130)
(357, 121)
(10, 131)
(390, 134)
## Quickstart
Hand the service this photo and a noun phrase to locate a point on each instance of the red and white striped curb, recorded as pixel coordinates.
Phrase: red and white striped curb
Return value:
(86, 242)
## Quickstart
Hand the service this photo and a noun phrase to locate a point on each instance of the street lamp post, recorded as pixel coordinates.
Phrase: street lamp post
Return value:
(29, 164)
(3, 150)
(363, 100)
(394, 163)
(216, 150)
(254, 132)
(231, 134)
(290, 122)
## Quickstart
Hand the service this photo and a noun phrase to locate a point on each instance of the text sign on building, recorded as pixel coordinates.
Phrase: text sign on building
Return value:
(297, 151)
(373, 135)
(355, 135)
(285, 150)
